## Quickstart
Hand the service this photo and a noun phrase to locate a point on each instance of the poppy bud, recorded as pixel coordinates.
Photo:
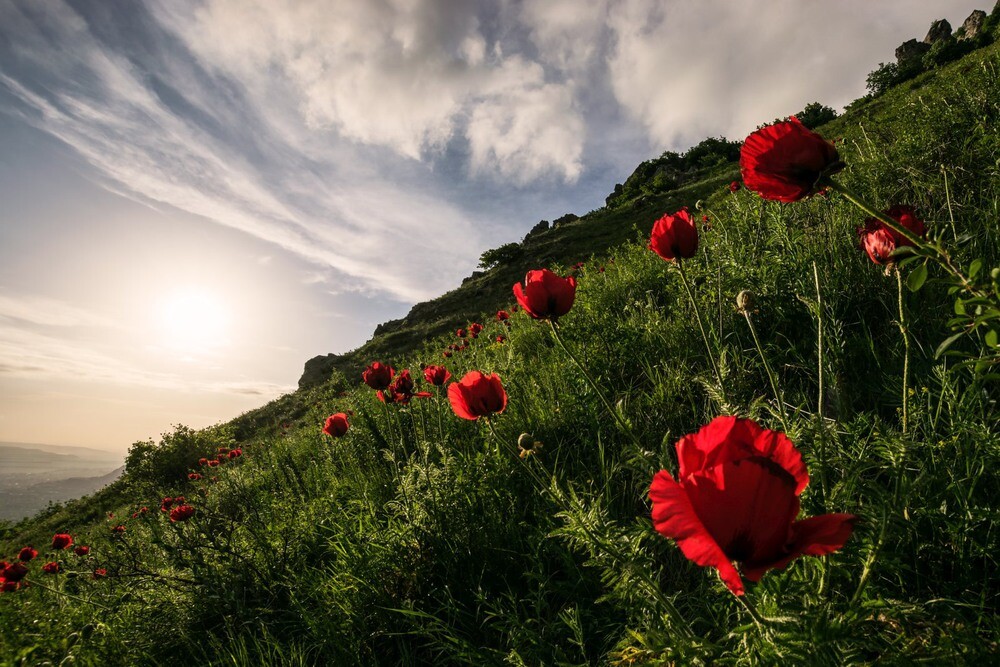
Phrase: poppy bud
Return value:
(879, 240)
(744, 301)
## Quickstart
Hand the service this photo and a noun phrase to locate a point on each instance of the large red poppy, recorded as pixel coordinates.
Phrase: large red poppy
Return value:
(545, 295)
(477, 395)
(785, 161)
(736, 499)
(674, 235)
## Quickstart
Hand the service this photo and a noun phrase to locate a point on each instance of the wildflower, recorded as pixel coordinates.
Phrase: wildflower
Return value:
(213, 463)
(401, 390)
(674, 236)
(786, 161)
(203, 462)
(378, 375)
(51, 568)
(503, 316)
(143, 510)
(194, 477)
(166, 503)
(8, 586)
(461, 333)
(336, 425)
(736, 499)
(119, 529)
(475, 329)
(100, 573)
(879, 241)
(477, 395)
(14, 572)
(26, 554)
(82, 550)
(235, 453)
(546, 295)
(501, 339)
(735, 186)
(436, 375)
(61, 541)
(181, 513)
(446, 354)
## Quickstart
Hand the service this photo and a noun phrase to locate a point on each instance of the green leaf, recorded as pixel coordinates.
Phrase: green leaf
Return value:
(946, 343)
(917, 278)
(992, 338)
(959, 307)
(974, 268)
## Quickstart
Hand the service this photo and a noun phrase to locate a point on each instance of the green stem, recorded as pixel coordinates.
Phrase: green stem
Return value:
(68, 595)
(593, 385)
(821, 398)
(701, 326)
(752, 610)
(906, 348)
(772, 378)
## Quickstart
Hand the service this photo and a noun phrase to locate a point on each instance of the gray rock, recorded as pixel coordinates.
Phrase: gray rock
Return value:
(973, 25)
(940, 29)
(911, 49)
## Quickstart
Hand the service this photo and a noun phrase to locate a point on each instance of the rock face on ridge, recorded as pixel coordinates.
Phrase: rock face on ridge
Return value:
(911, 49)
(940, 29)
(973, 25)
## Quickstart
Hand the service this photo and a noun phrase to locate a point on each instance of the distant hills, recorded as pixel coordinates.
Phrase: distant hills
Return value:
(33, 475)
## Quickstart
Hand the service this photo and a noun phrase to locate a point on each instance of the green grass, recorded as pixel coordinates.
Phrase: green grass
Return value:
(421, 538)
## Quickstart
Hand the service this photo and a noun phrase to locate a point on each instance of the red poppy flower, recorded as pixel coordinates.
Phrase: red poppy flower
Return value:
(461, 333)
(436, 375)
(378, 375)
(515, 308)
(501, 338)
(502, 316)
(61, 541)
(14, 572)
(82, 550)
(203, 462)
(235, 453)
(26, 554)
(194, 477)
(336, 425)
(879, 241)
(166, 503)
(546, 295)
(401, 390)
(735, 186)
(786, 161)
(100, 573)
(446, 354)
(119, 529)
(51, 568)
(181, 513)
(143, 510)
(477, 395)
(475, 329)
(8, 586)
(213, 463)
(675, 235)
(736, 499)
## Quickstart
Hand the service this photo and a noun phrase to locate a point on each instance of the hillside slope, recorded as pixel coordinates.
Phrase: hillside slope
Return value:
(527, 537)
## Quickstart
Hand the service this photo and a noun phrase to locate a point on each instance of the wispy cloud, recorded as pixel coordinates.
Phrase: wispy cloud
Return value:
(48, 312)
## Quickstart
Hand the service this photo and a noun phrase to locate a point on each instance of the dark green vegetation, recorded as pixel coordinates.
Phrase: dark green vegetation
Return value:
(419, 538)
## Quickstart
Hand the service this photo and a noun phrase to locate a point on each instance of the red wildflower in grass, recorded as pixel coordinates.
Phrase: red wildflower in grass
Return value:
(336, 425)
(203, 462)
(135, 515)
(181, 513)
(446, 354)
(179, 500)
(8, 586)
(674, 235)
(111, 515)
(436, 375)
(378, 375)
(166, 503)
(546, 295)
(26, 554)
(735, 186)
(736, 499)
(61, 541)
(475, 329)
(224, 451)
(100, 573)
(502, 316)
(401, 390)
(213, 463)
(501, 338)
(786, 161)
(143, 510)
(879, 241)
(194, 477)
(119, 529)
(461, 333)
(477, 395)
(51, 568)
(82, 550)
(235, 453)
(14, 572)
(515, 308)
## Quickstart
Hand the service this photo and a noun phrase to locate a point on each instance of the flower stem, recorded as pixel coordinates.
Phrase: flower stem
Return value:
(752, 610)
(626, 429)
(820, 398)
(701, 326)
(772, 378)
(68, 595)
(906, 348)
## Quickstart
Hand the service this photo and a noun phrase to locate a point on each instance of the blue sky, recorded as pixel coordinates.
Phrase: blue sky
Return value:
(197, 196)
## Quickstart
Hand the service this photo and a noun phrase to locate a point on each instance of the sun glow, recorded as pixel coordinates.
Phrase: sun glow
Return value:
(194, 320)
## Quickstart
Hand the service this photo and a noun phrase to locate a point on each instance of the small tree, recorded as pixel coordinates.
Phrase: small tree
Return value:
(508, 252)
(816, 114)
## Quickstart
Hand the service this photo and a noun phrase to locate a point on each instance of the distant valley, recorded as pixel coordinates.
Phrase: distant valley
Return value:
(33, 475)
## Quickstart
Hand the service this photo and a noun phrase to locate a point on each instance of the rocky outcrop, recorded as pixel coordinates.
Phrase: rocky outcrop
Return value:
(940, 29)
(973, 25)
(317, 370)
(566, 219)
(911, 49)
(542, 226)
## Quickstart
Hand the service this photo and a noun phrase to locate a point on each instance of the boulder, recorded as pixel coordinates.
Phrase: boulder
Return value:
(973, 25)
(940, 29)
(911, 50)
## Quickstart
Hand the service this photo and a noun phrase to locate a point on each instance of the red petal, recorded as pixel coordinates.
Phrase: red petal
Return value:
(674, 517)
(459, 402)
(817, 536)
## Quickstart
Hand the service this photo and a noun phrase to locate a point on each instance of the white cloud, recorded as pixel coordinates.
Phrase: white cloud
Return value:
(48, 312)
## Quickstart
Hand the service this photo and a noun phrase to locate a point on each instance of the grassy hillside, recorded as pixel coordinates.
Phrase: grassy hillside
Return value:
(419, 537)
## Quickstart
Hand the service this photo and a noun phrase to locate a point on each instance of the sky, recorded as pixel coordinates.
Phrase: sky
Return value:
(196, 196)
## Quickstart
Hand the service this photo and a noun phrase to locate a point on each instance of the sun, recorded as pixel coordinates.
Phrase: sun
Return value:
(194, 320)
